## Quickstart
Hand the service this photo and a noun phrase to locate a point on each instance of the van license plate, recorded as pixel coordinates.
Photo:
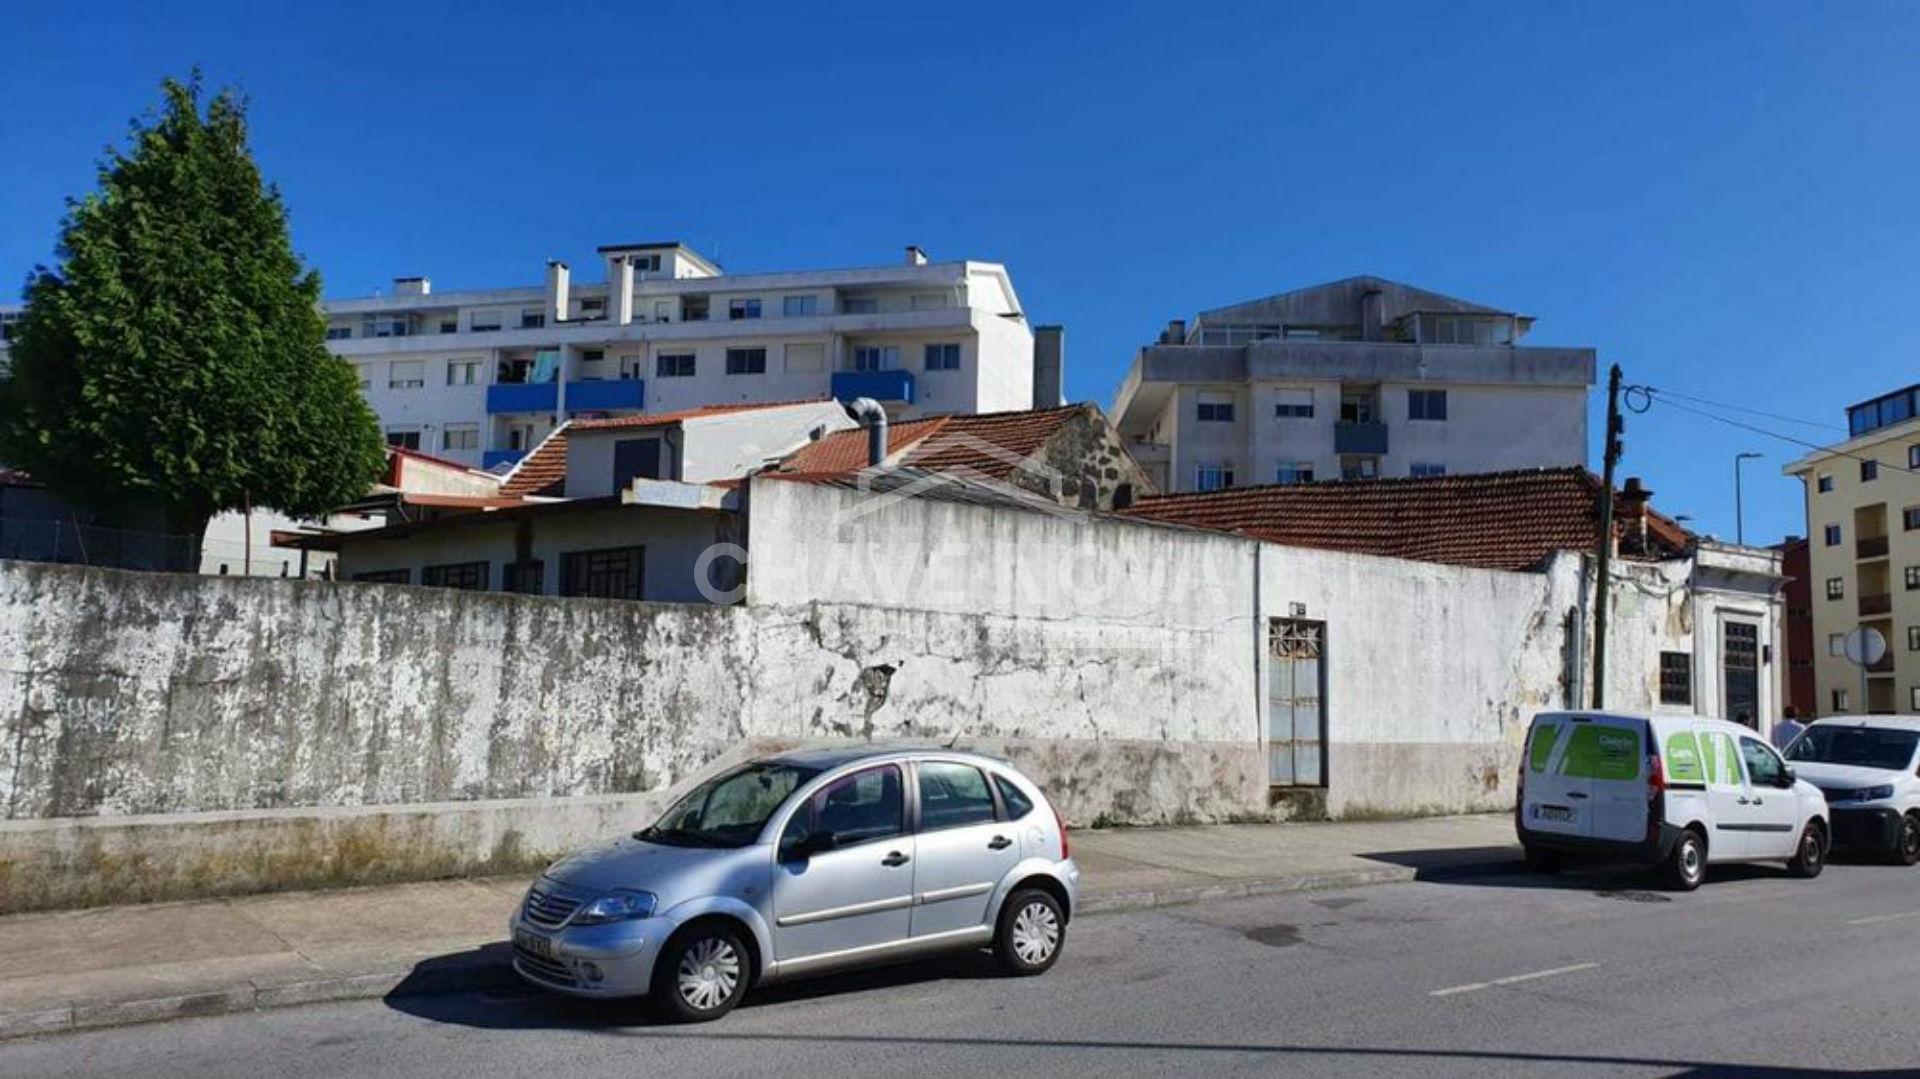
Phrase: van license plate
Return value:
(540, 946)
(1559, 813)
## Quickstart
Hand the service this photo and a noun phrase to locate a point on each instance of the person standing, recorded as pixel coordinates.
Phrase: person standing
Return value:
(1785, 731)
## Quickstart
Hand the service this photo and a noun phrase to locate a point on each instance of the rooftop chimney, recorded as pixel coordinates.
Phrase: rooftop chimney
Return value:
(1632, 510)
(1373, 322)
(622, 290)
(1176, 332)
(874, 419)
(916, 256)
(559, 283)
(412, 286)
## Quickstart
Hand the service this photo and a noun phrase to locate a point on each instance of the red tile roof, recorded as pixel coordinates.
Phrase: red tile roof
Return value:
(1495, 520)
(988, 443)
(541, 473)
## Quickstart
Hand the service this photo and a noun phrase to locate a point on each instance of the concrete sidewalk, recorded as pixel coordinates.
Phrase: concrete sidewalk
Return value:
(110, 965)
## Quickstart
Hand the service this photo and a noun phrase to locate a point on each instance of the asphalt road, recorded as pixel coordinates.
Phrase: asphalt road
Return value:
(1502, 974)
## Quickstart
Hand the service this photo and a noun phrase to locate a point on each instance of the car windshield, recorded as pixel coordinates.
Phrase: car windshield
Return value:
(730, 809)
(1868, 747)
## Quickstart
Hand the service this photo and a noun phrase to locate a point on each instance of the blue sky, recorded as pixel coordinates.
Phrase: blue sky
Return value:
(1718, 196)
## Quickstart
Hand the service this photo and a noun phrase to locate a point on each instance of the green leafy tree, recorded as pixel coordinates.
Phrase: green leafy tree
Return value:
(174, 365)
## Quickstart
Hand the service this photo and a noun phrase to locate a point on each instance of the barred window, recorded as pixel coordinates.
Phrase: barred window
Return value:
(385, 576)
(608, 573)
(1676, 678)
(468, 576)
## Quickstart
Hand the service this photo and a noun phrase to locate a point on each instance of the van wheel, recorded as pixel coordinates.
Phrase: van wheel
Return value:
(701, 974)
(1031, 931)
(1811, 856)
(1687, 866)
(1540, 860)
(1906, 846)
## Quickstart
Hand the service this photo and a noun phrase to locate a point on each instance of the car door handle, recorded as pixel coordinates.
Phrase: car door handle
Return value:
(999, 842)
(1575, 794)
(894, 858)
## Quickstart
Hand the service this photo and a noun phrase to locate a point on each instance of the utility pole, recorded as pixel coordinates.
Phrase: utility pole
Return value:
(1604, 547)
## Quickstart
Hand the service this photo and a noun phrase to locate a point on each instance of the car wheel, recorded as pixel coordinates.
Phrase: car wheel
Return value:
(1541, 861)
(1811, 856)
(1687, 866)
(701, 974)
(1906, 846)
(1032, 930)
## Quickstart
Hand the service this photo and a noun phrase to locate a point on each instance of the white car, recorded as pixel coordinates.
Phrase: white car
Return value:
(1866, 765)
(1676, 791)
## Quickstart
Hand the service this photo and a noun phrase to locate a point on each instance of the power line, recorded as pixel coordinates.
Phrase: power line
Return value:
(1654, 390)
(1652, 396)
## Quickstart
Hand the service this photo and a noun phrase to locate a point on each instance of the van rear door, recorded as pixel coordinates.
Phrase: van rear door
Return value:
(1554, 802)
(1612, 753)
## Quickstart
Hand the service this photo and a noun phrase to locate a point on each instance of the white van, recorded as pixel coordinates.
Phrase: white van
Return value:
(1676, 791)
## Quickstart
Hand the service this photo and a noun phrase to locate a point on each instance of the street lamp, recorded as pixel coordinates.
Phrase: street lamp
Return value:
(1739, 515)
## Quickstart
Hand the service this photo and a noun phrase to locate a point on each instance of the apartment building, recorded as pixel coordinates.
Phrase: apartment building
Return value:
(1354, 379)
(481, 377)
(1863, 536)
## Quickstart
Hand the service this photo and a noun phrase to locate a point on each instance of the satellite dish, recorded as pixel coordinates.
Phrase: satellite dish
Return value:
(1866, 647)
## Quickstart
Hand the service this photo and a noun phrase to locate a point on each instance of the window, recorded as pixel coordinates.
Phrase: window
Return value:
(1839, 700)
(644, 263)
(533, 320)
(608, 573)
(1832, 535)
(593, 307)
(859, 808)
(463, 372)
(1764, 768)
(1913, 638)
(1018, 805)
(1426, 404)
(945, 357)
(525, 578)
(1215, 408)
(1676, 678)
(466, 576)
(1836, 644)
(746, 361)
(1213, 477)
(385, 576)
(406, 375)
(859, 305)
(876, 358)
(806, 357)
(1836, 588)
(360, 375)
(1426, 469)
(520, 436)
(694, 308)
(406, 440)
(1824, 483)
(800, 306)
(1294, 472)
(953, 796)
(484, 321)
(1913, 455)
(1293, 404)
(1359, 468)
(1910, 518)
(745, 307)
(673, 365)
(1913, 699)
(449, 325)
(1869, 471)
(339, 333)
(1913, 578)
(460, 437)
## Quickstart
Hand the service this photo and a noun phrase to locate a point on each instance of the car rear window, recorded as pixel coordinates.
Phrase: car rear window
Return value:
(1602, 751)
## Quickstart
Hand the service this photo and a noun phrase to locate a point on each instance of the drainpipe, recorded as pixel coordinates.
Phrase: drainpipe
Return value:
(874, 419)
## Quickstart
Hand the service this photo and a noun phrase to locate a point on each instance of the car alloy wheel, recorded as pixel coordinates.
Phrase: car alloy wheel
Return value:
(1908, 852)
(708, 974)
(1036, 933)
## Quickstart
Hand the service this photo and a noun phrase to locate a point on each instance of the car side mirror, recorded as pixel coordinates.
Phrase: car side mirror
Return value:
(1787, 778)
(811, 844)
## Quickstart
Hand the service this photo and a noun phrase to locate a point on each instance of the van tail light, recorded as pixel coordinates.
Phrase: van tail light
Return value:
(1656, 796)
(1060, 823)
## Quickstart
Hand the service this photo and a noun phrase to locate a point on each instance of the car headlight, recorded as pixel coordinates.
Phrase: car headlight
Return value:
(1874, 794)
(622, 906)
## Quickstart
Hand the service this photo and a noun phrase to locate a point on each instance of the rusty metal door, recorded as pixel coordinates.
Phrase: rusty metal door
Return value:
(1296, 703)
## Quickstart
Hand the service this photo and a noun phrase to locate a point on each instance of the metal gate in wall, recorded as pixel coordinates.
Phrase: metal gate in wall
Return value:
(1740, 672)
(1296, 703)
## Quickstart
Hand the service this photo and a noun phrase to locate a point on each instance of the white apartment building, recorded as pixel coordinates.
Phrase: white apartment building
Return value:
(1353, 379)
(481, 377)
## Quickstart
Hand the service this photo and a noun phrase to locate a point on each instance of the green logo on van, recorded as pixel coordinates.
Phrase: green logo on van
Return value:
(1597, 752)
(1683, 759)
(1545, 736)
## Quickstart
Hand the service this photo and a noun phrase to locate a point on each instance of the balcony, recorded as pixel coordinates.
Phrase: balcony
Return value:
(594, 395)
(1360, 438)
(879, 385)
(1876, 603)
(1870, 547)
(494, 458)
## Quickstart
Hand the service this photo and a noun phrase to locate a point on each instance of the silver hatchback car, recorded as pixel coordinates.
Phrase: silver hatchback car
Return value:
(801, 864)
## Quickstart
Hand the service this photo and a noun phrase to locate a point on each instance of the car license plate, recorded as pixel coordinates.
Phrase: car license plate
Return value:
(540, 946)
(1559, 813)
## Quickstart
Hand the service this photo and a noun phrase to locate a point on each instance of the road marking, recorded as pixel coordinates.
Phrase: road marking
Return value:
(1884, 918)
(1512, 979)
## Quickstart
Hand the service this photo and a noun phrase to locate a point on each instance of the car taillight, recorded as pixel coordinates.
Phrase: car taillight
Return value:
(1061, 823)
(1656, 791)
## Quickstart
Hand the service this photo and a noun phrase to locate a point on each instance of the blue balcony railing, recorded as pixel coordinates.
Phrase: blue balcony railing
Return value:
(879, 385)
(494, 458)
(594, 395)
(1359, 438)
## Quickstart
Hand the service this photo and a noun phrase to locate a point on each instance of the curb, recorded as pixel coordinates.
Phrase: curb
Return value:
(474, 973)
